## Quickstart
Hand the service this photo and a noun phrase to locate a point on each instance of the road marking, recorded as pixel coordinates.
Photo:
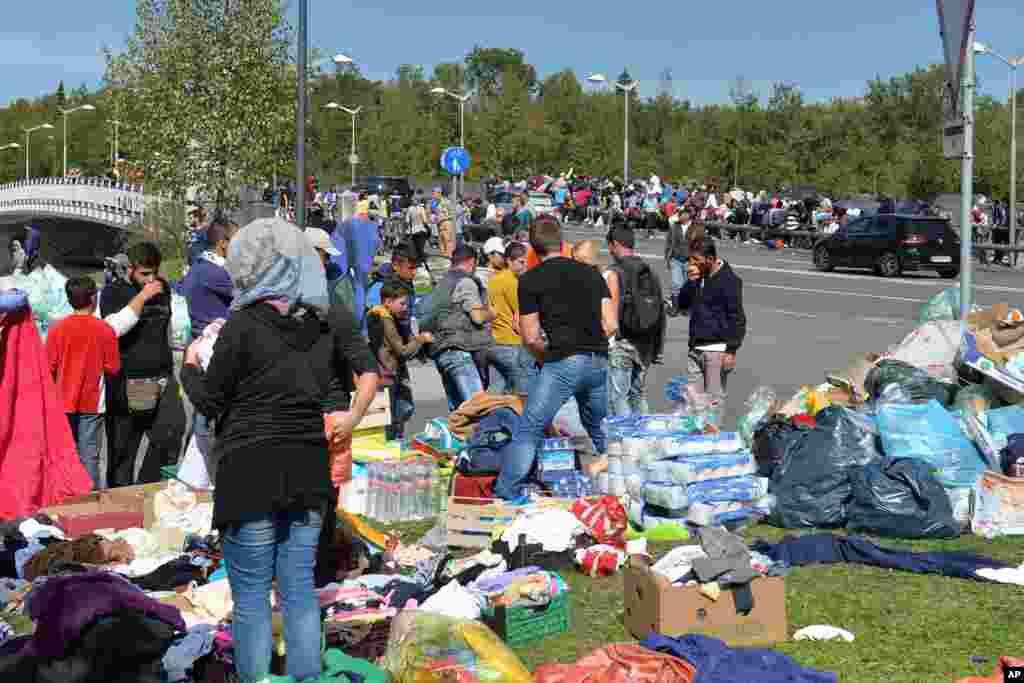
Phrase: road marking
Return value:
(795, 314)
(884, 321)
(832, 291)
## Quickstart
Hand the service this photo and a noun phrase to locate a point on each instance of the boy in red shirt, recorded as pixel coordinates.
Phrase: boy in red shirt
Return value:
(82, 349)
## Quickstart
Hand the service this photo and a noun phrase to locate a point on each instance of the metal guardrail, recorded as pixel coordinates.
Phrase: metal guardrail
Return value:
(94, 199)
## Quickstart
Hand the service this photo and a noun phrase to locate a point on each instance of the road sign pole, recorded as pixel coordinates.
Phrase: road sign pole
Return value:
(300, 118)
(967, 177)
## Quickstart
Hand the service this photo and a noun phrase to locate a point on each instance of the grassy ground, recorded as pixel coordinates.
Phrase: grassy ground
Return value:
(910, 628)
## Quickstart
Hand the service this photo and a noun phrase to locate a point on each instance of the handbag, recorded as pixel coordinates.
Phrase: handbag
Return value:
(144, 394)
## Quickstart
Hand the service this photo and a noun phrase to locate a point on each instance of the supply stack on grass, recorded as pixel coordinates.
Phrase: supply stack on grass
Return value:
(557, 469)
(674, 473)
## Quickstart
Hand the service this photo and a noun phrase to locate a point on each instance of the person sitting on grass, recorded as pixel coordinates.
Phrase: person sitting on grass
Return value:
(393, 351)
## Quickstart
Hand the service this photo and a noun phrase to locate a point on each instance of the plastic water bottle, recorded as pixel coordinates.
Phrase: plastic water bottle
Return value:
(371, 490)
(414, 325)
(437, 492)
(390, 480)
(408, 492)
(423, 488)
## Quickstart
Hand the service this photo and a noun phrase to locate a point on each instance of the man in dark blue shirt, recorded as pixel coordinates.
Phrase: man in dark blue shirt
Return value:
(208, 287)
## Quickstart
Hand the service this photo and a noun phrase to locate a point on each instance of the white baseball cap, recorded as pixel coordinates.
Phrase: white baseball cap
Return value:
(319, 239)
(494, 245)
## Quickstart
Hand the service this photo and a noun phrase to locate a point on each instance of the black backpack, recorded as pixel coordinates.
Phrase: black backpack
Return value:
(642, 301)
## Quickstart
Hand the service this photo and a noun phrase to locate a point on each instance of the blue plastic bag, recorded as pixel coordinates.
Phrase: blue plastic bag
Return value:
(931, 433)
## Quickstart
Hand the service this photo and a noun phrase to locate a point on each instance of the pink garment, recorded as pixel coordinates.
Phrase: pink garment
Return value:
(39, 463)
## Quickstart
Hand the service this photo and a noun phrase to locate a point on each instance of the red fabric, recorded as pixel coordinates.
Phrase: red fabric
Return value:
(473, 487)
(39, 464)
(599, 560)
(807, 421)
(77, 525)
(619, 663)
(80, 349)
(604, 518)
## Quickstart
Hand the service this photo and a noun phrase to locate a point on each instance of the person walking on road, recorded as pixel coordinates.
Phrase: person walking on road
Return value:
(713, 295)
(640, 306)
(510, 363)
(677, 253)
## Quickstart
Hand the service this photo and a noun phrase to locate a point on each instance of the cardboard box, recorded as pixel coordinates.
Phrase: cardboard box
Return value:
(78, 519)
(654, 604)
(470, 521)
(379, 412)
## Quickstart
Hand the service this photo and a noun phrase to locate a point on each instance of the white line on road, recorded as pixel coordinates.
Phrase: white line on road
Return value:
(795, 314)
(884, 321)
(832, 291)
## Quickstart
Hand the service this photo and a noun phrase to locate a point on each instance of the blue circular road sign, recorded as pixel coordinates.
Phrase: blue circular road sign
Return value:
(455, 160)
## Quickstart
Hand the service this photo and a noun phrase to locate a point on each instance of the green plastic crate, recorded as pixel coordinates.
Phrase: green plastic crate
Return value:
(168, 472)
(520, 625)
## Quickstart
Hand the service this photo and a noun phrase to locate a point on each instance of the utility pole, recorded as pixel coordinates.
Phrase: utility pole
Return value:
(967, 177)
(300, 118)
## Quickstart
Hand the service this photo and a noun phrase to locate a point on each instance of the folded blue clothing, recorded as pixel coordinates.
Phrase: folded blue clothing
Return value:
(730, 489)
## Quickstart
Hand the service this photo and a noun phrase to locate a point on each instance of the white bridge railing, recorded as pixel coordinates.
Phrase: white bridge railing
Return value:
(95, 199)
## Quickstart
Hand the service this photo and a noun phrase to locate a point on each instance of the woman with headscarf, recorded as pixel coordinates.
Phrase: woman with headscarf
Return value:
(275, 362)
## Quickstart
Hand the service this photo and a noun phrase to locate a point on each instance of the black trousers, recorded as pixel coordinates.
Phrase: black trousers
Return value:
(165, 427)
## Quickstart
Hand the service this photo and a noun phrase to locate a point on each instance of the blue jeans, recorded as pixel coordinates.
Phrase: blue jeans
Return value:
(283, 547)
(85, 427)
(402, 407)
(627, 383)
(677, 271)
(459, 375)
(583, 376)
(510, 368)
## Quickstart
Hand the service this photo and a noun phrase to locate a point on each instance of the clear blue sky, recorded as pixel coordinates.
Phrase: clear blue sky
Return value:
(827, 52)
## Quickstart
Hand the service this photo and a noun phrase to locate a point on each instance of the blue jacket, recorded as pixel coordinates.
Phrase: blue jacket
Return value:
(485, 450)
(716, 662)
(715, 305)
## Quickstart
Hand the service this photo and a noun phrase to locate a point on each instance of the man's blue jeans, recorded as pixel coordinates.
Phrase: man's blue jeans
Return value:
(510, 368)
(583, 376)
(677, 271)
(627, 383)
(86, 427)
(283, 547)
(459, 375)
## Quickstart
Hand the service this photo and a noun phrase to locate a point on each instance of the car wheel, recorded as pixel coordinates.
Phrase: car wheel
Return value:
(822, 259)
(888, 265)
(949, 273)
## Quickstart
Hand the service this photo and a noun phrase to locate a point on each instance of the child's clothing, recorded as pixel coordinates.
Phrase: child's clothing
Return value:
(81, 351)
(392, 352)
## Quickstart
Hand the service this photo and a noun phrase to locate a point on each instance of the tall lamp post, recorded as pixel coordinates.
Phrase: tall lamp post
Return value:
(462, 99)
(352, 158)
(627, 87)
(1013, 63)
(115, 142)
(28, 132)
(65, 112)
(10, 145)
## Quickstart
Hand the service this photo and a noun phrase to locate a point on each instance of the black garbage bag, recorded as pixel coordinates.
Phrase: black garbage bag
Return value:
(917, 383)
(900, 497)
(771, 440)
(812, 483)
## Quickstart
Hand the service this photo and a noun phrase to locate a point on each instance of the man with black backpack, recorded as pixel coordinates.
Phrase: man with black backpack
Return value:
(637, 296)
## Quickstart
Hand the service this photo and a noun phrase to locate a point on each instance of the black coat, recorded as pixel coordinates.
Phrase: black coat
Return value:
(715, 305)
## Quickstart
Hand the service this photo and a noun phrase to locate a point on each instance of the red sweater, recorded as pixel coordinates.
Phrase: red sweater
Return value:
(80, 350)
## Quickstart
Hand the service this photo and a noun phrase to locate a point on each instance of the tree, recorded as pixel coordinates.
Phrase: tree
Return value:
(61, 102)
(212, 90)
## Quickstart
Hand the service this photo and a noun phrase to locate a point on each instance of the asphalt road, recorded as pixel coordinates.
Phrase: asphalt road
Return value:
(801, 323)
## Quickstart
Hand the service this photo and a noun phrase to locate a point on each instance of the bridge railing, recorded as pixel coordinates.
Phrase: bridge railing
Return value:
(98, 199)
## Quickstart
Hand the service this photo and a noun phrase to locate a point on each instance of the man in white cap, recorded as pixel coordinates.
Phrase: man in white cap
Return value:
(339, 287)
(494, 252)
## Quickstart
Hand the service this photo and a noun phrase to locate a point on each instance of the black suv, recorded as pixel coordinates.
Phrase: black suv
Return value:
(891, 244)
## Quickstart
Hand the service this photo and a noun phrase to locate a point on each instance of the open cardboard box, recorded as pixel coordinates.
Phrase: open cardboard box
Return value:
(78, 517)
(654, 604)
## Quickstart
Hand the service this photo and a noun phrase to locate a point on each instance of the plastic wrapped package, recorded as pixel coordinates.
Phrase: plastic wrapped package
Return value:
(644, 448)
(960, 501)
(667, 496)
(998, 506)
(721, 514)
(899, 497)
(932, 347)
(812, 484)
(45, 290)
(730, 489)
(1001, 423)
(930, 433)
(917, 382)
(757, 409)
(700, 468)
(431, 648)
(943, 306)
(665, 425)
(702, 444)
(181, 323)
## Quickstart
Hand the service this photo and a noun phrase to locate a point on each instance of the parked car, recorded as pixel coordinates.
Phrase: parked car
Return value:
(891, 244)
(386, 186)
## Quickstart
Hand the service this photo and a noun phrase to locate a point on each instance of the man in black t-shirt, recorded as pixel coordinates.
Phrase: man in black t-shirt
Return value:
(566, 318)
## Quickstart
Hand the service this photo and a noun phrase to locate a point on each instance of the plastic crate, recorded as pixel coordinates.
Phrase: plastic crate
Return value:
(168, 472)
(520, 625)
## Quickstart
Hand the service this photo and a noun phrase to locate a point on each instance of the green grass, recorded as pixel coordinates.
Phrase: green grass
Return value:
(909, 628)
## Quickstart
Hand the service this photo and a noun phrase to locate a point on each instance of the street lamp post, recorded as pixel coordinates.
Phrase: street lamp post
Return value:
(1013, 63)
(462, 99)
(65, 112)
(115, 142)
(11, 145)
(626, 88)
(28, 132)
(353, 159)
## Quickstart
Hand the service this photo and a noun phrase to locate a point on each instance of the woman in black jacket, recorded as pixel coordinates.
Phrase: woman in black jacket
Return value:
(272, 367)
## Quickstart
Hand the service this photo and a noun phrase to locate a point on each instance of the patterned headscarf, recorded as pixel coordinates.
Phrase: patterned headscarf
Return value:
(270, 259)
